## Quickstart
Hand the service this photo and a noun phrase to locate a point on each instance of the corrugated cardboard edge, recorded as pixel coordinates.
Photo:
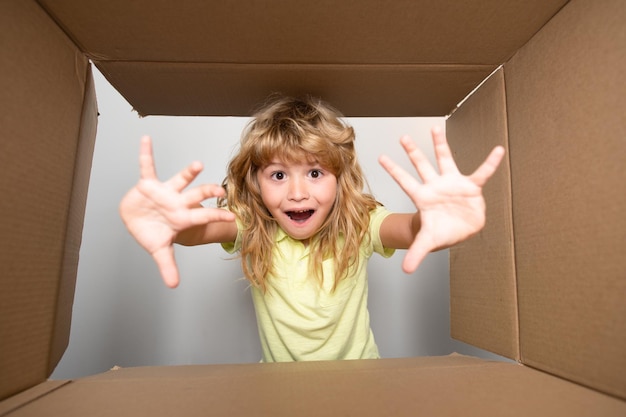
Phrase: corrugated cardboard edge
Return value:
(483, 293)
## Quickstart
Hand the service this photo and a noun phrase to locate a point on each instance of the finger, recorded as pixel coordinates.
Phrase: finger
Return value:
(489, 167)
(182, 179)
(198, 194)
(164, 258)
(409, 184)
(445, 160)
(421, 163)
(146, 159)
(203, 215)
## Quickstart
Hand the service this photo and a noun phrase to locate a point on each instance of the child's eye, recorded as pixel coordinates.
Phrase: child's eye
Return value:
(316, 173)
(278, 175)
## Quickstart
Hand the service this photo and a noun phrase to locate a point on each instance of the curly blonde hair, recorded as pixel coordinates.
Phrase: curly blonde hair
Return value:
(290, 129)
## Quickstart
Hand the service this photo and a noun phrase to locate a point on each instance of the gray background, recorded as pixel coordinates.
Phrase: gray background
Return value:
(125, 316)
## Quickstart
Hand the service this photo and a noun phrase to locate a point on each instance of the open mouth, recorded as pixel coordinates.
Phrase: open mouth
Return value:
(300, 216)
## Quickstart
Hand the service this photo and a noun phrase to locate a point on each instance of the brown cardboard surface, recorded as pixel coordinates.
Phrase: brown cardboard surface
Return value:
(233, 89)
(446, 386)
(565, 106)
(566, 97)
(483, 299)
(211, 55)
(42, 81)
(75, 216)
(323, 32)
(32, 394)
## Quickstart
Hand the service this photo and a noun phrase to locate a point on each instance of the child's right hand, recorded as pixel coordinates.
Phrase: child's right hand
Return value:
(154, 212)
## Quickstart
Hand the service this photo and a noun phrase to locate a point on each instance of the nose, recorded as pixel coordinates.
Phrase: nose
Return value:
(298, 189)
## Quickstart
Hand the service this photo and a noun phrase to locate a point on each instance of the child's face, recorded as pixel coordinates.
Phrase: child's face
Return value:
(299, 196)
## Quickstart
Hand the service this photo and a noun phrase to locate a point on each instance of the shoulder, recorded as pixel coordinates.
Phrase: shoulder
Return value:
(377, 215)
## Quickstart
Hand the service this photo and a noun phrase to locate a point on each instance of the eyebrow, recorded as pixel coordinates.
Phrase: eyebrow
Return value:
(314, 163)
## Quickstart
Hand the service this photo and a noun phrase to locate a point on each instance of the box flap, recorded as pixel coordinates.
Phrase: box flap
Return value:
(43, 80)
(231, 89)
(75, 219)
(566, 98)
(483, 299)
(32, 394)
(237, 53)
(436, 386)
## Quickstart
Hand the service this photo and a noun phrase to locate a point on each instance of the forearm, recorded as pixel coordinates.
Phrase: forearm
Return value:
(398, 230)
(210, 232)
(214, 232)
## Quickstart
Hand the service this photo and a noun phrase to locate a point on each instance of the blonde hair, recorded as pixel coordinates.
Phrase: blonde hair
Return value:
(290, 129)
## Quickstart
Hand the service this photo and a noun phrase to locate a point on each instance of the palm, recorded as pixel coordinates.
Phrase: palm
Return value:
(153, 214)
(452, 208)
(451, 205)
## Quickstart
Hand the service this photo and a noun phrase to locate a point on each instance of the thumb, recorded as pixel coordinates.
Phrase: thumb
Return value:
(166, 263)
(415, 255)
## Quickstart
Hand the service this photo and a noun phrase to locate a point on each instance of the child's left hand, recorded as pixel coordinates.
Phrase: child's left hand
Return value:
(451, 205)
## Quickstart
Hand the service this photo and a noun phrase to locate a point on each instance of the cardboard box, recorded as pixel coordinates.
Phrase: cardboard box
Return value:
(543, 284)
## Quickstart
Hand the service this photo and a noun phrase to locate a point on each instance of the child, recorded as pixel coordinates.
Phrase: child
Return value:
(293, 206)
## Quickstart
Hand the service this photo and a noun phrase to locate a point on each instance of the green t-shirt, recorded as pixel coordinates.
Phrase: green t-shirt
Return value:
(300, 320)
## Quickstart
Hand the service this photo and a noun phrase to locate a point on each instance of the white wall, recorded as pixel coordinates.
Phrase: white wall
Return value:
(124, 315)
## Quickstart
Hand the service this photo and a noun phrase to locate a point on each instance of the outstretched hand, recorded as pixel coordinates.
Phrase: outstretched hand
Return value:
(451, 205)
(154, 212)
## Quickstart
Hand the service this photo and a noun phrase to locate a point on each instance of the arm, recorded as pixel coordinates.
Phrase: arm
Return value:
(398, 230)
(450, 206)
(157, 214)
(214, 232)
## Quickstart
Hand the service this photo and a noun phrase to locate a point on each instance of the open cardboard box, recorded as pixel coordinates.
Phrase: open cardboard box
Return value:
(544, 284)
